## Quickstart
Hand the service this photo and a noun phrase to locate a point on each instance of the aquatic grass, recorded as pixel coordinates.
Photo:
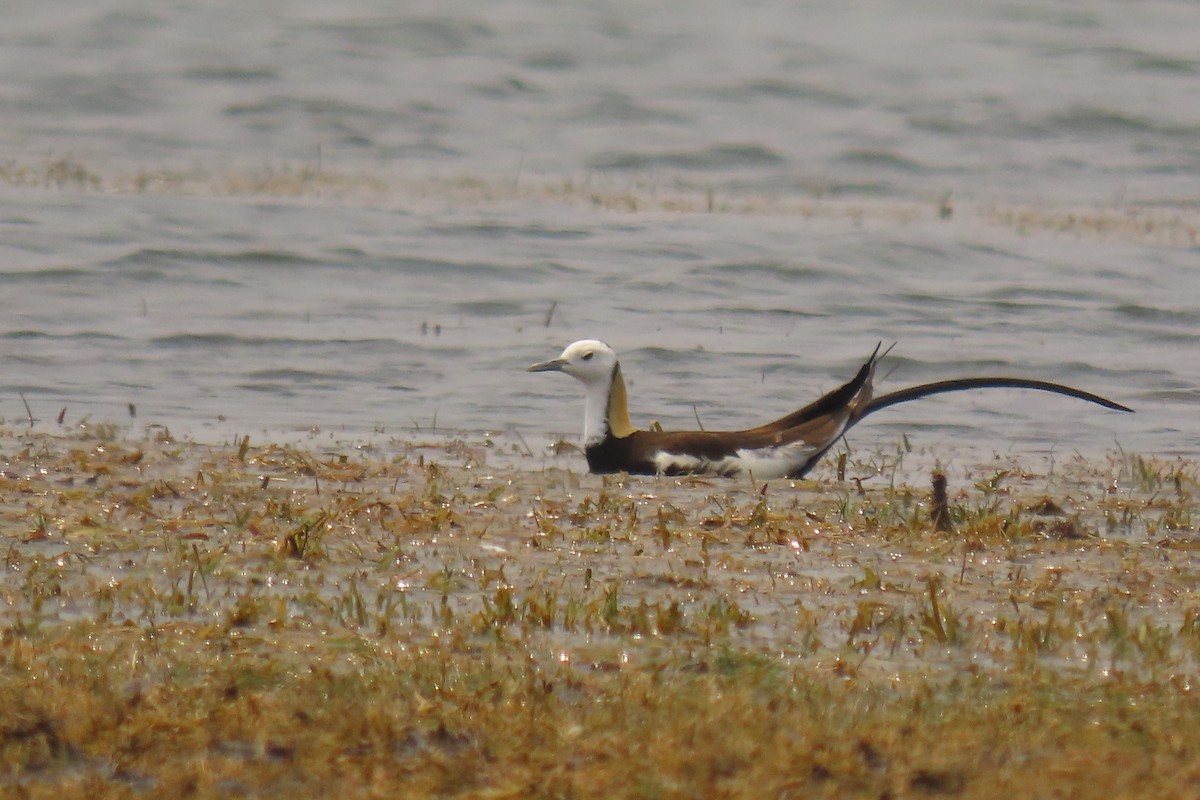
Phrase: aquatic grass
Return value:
(1175, 224)
(401, 623)
(731, 722)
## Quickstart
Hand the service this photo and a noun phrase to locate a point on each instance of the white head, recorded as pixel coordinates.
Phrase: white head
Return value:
(594, 364)
(589, 361)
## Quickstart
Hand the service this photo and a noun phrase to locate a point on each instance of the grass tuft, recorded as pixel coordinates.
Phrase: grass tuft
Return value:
(263, 620)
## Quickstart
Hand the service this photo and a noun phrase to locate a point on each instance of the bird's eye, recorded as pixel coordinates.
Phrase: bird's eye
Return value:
(588, 356)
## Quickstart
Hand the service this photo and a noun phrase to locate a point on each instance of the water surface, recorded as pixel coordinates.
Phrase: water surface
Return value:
(368, 219)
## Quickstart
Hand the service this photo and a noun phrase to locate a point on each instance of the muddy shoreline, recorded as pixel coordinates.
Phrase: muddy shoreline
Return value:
(445, 616)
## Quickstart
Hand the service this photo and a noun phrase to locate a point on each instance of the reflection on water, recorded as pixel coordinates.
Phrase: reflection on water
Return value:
(364, 218)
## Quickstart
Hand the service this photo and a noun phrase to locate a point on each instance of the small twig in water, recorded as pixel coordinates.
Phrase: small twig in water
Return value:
(697, 415)
(200, 571)
(520, 166)
(941, 506)
(550, 314)
(27, 410)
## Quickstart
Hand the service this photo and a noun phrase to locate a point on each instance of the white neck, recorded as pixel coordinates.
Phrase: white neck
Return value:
(595, 413)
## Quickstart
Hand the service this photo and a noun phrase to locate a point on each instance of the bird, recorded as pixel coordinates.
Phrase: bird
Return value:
(787, 448)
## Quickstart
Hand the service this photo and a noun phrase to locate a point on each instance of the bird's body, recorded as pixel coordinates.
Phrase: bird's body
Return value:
(788, 447)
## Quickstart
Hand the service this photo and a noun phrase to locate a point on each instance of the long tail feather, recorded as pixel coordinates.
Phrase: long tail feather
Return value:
(964, 384)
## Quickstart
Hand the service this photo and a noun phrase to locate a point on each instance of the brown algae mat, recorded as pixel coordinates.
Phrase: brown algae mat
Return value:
(446, 619)
(1164, 224)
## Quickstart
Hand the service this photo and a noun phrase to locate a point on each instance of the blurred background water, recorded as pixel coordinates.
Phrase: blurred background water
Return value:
(369, 217)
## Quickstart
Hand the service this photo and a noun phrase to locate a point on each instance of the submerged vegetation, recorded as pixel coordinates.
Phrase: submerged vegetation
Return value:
(1167, 224)
(434, 619)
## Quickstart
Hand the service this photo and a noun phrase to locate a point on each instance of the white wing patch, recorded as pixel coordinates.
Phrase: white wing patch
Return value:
(767, 462)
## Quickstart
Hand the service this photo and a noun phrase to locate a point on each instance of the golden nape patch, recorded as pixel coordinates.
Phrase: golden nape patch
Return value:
(618, 407)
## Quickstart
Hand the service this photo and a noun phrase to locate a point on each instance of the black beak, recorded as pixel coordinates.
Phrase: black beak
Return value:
(553, 365)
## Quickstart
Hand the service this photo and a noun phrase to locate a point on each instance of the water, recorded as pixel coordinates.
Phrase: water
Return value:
(367, 219)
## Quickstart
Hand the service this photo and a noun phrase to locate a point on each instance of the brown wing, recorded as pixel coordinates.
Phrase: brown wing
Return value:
(635, 453)
(818, 424)
(845, 404)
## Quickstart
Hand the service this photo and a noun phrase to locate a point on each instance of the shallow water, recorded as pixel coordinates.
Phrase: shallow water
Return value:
(366, 219)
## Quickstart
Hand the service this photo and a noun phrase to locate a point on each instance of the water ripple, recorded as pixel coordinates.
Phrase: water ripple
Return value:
(194, 341)
(719, 157)
(1134, 311)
